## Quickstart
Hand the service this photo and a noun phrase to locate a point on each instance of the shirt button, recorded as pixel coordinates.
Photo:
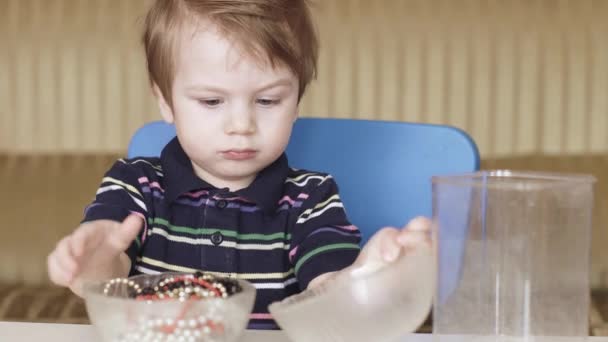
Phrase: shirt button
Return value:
(217, 238)
(221, 204)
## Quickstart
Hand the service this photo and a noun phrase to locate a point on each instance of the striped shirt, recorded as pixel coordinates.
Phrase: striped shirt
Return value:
(288, 227)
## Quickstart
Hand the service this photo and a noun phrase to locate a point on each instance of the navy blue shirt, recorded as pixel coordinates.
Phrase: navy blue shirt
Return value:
(288, 227)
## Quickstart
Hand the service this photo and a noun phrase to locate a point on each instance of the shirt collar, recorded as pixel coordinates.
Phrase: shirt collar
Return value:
(266, 189)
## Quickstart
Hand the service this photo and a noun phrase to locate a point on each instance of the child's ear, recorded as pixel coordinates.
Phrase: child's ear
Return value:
(165, 110)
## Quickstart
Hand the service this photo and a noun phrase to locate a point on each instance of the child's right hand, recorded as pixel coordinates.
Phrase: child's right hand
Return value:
(95, 250)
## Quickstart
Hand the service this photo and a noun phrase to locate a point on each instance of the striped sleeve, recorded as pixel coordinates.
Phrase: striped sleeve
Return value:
(323, 240)
(117, 197)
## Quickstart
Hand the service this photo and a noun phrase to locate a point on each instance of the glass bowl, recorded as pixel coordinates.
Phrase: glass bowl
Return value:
(378, 303)
(118, 317)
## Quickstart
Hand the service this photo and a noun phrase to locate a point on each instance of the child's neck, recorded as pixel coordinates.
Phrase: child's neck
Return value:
(233, 185)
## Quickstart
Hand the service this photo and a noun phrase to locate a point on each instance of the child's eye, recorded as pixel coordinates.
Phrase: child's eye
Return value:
(211, 102)
(267, 102)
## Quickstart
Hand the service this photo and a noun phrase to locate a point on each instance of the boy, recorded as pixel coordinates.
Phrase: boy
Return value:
(221, 197)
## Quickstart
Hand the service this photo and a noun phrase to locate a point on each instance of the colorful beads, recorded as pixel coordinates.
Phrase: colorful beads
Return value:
(199, 285)
(133, 287)
(187, 288)
(150, 329)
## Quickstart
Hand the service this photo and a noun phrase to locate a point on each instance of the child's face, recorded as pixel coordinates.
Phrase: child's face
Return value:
(233, 115)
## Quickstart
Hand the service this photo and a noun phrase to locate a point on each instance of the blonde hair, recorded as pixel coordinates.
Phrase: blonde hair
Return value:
(274, 31)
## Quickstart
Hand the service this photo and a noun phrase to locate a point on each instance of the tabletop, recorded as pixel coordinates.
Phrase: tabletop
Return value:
(12, 331)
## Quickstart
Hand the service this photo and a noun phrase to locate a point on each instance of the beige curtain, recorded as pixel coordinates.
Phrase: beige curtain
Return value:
(521, 76)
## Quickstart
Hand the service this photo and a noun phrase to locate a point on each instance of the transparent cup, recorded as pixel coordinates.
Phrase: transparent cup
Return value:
(513, 256)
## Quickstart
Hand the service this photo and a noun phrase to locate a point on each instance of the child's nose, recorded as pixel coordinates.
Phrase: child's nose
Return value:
(241, 122)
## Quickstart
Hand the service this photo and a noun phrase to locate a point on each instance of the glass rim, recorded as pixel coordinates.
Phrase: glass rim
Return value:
(90, 292)
(482, 177)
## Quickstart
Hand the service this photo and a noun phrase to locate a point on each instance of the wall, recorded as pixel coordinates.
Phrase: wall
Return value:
(522, 76)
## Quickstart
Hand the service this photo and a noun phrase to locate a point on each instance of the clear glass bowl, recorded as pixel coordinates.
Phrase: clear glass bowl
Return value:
(120, 318)
(374, 304)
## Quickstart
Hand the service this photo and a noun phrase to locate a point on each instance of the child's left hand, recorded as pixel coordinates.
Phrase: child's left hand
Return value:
(389, 243)
(384, 247)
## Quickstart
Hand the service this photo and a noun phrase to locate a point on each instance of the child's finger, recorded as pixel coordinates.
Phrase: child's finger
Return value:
(77, 246)
(125, 233)
(389, 247)
(76, 286)
(419, 224)
(417, 228)
(64, 257)
(56, 272)
(410, 240)
(86, 238)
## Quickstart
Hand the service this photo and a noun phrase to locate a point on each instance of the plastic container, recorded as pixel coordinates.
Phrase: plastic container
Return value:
(119, 318)
(513, 255)
(373, 304)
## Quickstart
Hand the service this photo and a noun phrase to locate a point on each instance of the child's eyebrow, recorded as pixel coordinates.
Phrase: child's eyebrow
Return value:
(203, 87)
(283, 82)
(278, 83)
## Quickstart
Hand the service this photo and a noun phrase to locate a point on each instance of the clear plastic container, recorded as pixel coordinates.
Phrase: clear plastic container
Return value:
(513, 255)
(120, 318)
(378, 303)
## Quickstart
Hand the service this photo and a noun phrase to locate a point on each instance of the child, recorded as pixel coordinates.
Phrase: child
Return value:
(221, 197)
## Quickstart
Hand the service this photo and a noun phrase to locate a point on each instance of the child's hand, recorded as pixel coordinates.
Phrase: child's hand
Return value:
(95, 250)
(389, 243)
(383, 248)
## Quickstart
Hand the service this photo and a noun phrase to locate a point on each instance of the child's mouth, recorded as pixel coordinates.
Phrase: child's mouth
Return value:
(239, 154)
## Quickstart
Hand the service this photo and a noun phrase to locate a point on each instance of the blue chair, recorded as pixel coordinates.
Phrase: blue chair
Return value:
(383, 169)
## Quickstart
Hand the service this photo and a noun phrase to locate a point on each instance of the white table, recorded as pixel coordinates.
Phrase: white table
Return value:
(10, 331)
(41, 332)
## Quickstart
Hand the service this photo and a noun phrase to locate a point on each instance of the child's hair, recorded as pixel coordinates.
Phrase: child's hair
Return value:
(274, 31)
